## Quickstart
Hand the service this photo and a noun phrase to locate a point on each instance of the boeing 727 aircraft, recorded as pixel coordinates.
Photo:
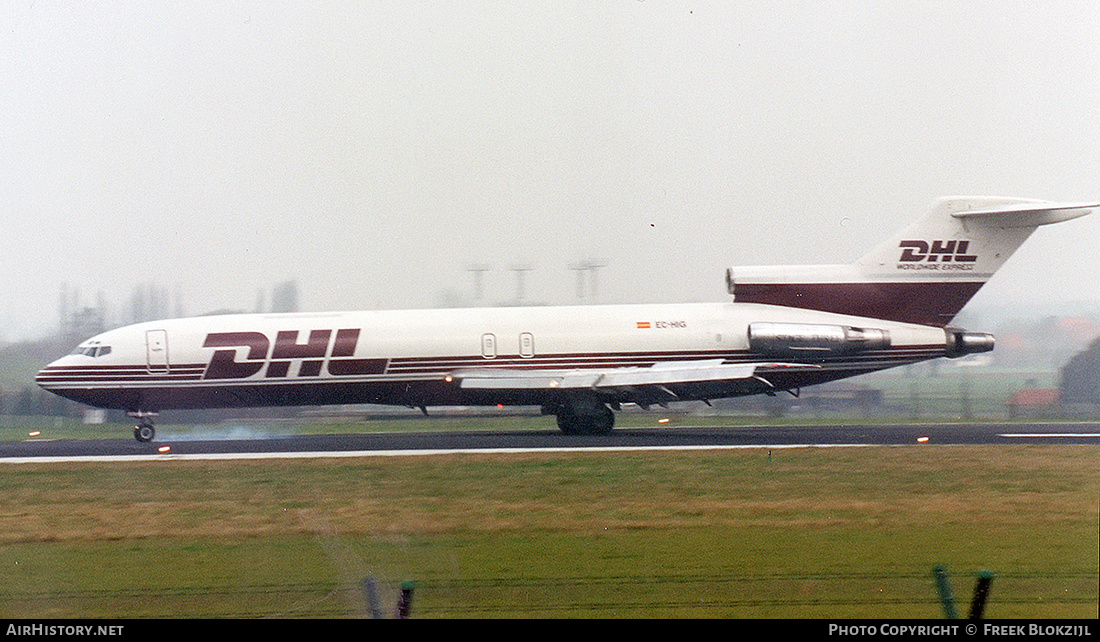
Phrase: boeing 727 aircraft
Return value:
(787, 327)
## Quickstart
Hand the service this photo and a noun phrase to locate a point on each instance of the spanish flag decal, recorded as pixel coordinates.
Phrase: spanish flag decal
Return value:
(643, 325)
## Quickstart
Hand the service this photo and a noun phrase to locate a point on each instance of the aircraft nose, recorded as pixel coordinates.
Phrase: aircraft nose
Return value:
(49, 376)
(42, 377)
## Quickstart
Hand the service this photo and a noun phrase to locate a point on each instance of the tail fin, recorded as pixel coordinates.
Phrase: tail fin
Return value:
(925, 274)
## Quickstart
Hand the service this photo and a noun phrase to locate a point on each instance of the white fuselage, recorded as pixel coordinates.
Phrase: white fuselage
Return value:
(405, 357)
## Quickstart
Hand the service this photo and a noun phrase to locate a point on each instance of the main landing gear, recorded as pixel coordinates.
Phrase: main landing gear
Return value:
(144, 431)
(585, 416)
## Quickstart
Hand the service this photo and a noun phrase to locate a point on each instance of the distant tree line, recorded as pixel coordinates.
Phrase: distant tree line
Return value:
(18, 393)
(284, 298)
(147, 302)
(27, 401)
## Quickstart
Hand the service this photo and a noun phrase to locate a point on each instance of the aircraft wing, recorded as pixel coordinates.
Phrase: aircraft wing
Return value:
(611, 379)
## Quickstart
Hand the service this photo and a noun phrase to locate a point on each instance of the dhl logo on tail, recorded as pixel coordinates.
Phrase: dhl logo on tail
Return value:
(943, 251)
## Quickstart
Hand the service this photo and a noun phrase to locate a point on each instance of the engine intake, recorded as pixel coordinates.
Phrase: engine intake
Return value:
(814, 340)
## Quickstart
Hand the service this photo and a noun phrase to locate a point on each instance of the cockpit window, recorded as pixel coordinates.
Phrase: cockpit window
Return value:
(92, 350)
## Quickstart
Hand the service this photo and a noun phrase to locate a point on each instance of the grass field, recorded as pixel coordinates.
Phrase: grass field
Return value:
(824, 533)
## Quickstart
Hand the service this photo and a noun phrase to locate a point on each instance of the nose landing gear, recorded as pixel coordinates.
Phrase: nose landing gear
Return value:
(144, 431)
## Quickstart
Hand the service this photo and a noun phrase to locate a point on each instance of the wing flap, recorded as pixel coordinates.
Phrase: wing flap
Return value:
(662, 374)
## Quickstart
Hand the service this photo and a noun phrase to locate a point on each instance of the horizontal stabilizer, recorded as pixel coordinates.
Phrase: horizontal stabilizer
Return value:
(1029, 214)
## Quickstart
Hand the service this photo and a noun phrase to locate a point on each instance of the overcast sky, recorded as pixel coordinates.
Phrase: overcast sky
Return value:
(375, 150)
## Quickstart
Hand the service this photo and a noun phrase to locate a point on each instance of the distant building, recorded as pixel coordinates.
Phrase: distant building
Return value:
(1032, 403)
(284, 297)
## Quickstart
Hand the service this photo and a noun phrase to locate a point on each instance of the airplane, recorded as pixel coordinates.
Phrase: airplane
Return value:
(786, 327)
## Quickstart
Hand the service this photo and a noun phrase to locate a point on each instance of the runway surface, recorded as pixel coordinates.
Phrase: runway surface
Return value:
(168, 446)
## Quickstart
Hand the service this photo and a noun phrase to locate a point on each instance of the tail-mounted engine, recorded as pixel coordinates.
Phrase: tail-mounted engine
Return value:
(814, 340)
(961, 343)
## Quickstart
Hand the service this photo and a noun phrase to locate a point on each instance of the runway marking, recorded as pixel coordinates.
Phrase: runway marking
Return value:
(1041, 435)
(399, 453)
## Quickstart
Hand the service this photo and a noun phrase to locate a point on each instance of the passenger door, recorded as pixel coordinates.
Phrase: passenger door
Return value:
(156, 351)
